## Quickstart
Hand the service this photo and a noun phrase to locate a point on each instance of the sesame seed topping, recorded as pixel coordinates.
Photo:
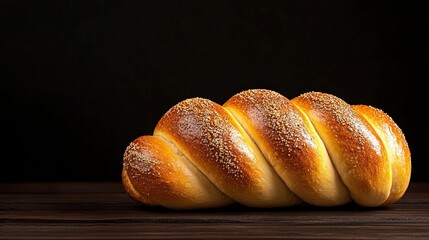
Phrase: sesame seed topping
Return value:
(282, 121)
(346, 118)
(207, 127)
(138, 163)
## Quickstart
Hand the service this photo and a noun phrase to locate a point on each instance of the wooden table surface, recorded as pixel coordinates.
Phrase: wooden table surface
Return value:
(104, 211)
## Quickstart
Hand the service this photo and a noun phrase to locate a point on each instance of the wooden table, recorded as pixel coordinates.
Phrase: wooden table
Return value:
(104, 211)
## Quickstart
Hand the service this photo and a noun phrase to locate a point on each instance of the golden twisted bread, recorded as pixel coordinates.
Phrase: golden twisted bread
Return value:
(261, 149)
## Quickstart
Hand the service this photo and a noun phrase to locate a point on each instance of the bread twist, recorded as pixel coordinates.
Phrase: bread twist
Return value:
(261, 149)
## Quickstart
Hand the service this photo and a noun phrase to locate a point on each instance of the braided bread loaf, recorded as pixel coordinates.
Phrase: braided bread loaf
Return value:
(261, 149)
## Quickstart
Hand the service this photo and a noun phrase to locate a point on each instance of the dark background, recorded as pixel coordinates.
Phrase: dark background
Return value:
(81, 79)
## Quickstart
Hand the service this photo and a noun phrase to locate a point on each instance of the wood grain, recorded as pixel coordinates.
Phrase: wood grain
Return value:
(104, 211)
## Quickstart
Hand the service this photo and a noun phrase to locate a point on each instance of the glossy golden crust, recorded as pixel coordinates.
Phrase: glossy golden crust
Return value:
(353, 145)
(217, 145)
(263, 150)
(291, 145)
(155, 174)
(397, 149)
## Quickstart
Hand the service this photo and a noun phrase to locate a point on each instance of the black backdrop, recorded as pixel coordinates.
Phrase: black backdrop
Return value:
(81, 79)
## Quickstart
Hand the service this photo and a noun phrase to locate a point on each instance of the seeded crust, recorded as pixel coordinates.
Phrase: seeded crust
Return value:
(290, 143)
(155, 174)
(397, 149)
(217, 145)
(356, 150)
(263, 150)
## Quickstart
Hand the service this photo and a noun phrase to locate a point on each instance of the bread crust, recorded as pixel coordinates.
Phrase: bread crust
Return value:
(290, 143)
(261, 149)
(155, 174)
(353, 145)
(398, 151)
(217, 145)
